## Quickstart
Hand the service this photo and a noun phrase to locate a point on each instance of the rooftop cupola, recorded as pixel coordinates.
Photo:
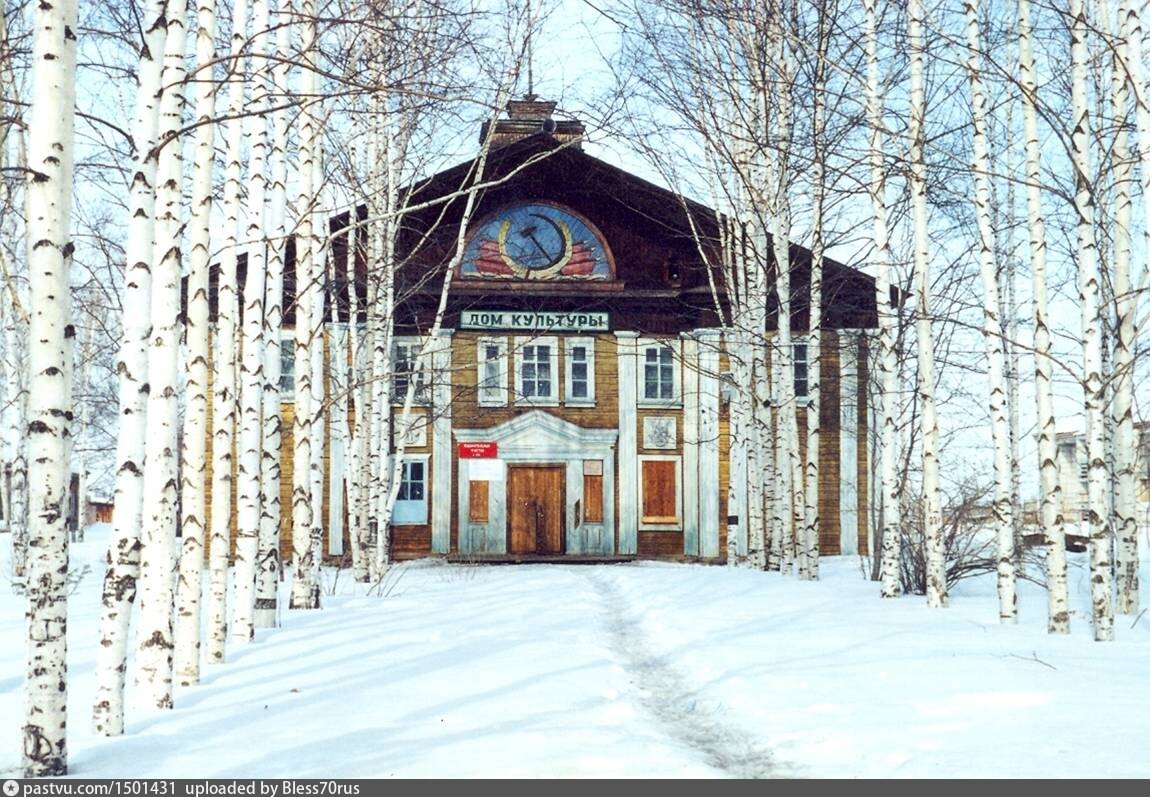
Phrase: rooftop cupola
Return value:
(528, 116)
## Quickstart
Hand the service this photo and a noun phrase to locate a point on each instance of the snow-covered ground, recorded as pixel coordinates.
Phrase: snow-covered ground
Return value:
(638, 670)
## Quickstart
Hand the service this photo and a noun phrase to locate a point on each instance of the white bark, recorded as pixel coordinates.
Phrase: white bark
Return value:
(120, 578)
(316, 365)
(1125, 442)
(161, 472)
(49, 186)
(809, 555)
(788, 464)
(248, 505)
(357, 447)
(193, 498)
(224, 398)
(270, 565)
(992, 326)
(932, 504)
(1058, 614)
(1088, 294)
(887, 453)
(305, 503)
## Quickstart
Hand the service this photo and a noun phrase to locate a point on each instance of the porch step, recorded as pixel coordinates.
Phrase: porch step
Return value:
(537, 559)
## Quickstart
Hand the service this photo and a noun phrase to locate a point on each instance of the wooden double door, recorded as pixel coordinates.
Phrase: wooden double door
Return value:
(535, 509)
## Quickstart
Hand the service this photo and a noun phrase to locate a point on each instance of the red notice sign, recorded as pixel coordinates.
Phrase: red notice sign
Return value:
(478, 450)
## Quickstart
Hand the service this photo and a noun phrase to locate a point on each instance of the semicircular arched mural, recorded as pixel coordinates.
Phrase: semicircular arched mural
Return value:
(536, 241)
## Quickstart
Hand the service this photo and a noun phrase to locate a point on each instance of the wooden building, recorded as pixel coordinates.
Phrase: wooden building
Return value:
(576, 401)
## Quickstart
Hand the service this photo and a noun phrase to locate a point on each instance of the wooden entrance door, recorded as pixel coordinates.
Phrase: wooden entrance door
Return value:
(535, 509)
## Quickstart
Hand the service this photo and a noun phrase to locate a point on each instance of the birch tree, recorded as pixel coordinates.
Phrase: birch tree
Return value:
(809, 560)
(886, 456)
(305, 501)
(269, 569)
(161, 473)
(49, 185)
(224, 365)
(13, 326)
(992, 323)
(1088, 294)
(1125, 306)
(936, 588)
(248, 507)
(1058, 613)
(197, 335)
(120, 577)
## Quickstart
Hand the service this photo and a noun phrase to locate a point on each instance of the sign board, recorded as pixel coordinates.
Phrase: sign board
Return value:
(533, 322)
(485, 470)
(478, 450)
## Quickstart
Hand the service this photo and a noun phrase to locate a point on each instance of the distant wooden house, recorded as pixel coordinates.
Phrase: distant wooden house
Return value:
(576, 400)
(1073, 467)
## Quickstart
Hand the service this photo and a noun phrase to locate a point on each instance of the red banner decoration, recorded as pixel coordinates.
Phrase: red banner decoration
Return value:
(478, 450)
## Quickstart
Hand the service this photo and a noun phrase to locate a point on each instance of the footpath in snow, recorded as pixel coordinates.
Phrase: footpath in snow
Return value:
(638, 670)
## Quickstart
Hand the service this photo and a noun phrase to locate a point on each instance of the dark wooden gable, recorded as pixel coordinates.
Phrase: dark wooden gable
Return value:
(660, 284)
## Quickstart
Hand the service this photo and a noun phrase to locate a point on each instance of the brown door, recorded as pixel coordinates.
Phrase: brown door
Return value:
(535, 510)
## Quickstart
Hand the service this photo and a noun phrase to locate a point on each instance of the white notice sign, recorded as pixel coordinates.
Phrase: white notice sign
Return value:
(485, 470)
(533, 322)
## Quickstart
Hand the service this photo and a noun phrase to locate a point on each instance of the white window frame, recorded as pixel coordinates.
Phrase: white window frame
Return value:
(645, 344)
(413, 513)
(287, 343)
(801, 398)
(571, 400)
(551, 399)
(422, 387)
(678, 524)
(496, 395)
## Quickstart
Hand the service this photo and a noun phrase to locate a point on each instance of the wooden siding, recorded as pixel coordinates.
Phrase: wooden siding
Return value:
(413, 541)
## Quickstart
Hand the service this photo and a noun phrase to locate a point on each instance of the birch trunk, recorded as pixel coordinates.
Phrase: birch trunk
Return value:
(270, 566)
(992, 326)
(1125, 443)
(765, 547)
(1088, 293)
(886, 455)
(119, 590)
(809, 557)
(932, 505)
(357, 448)
(318, 354)
(161, 470)
(1058, 613)
(49, 198)
(252, 356)
(305, 591)
(224, 362)
(193, 502)
(789, 468)
(379, 320)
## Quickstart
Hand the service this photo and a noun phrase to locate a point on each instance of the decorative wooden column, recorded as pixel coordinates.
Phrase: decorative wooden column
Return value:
(708, 342)
(690, 353)
(441, 442)
(628, 444)
(848, 442)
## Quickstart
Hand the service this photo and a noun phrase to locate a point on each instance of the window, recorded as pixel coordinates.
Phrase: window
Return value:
(491, 356)
(660, 493)
(404, 354)
(287, 366)
(411, 502)
(536, 377)
(799, 357)
(658, 373)
(580, 358)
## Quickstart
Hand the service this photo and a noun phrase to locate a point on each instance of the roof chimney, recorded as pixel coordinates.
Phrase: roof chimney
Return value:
(529, 116)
